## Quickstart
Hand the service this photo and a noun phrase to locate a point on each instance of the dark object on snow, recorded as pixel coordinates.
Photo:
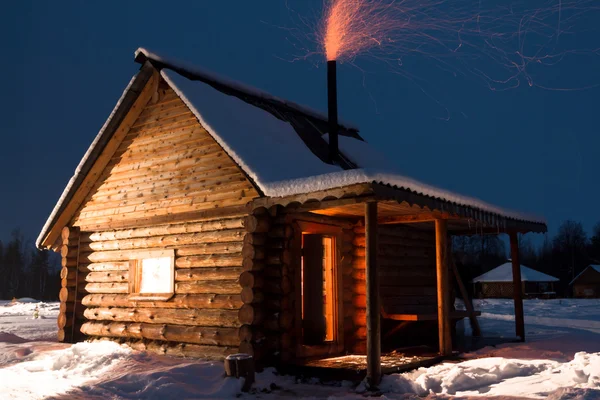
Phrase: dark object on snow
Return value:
(241, 366)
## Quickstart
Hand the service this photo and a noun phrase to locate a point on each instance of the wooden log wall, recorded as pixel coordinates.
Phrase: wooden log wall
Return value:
(406, 258)
(167, 165)
(70, 315)
(202, 319)
(267, 293)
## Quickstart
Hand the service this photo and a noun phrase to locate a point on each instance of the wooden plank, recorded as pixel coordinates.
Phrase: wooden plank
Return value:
(416, 218)
(373, 307)
(445, 339)
(475, 328)
(190, 216)
(460, 314)
(517, 287)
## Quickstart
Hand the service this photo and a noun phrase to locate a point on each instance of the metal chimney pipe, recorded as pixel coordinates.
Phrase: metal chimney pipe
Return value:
(332, 110)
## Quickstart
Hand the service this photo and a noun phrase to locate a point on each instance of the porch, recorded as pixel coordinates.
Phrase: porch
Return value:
(372, 210)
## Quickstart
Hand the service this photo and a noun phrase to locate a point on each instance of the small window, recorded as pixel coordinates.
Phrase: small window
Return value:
(152, 275)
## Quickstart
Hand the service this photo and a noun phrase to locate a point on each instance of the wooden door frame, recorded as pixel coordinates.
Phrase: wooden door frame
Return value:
(337, 345)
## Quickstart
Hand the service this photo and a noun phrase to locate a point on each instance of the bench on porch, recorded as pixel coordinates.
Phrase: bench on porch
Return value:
(408, 315)
(427, 316)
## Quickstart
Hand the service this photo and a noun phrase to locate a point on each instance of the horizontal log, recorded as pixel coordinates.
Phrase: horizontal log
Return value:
(216, 336)
(68, 307)
(66, 295)
(399, 250)
(216, 260)
(161, 230)
(170, 170)
(68, 273)
(359, 317)
(387, 240)
(105, 266)
(107, 277)
(183, 239)
(111, 287)
(170, 206)
(64, 320)
(281, 231)
(195, 317)
(250, 333)
(387, 291)
(258, 239)
(402, 231)
(207, 274)
(252, 296)
(422, 263)
(253, 251)
(61, 335)
(177, 301)
(210, 248)
(251, 280)
(68, 262)
(249, 264)
(251, 314)
(394, 301)
(275, 271)
(231, 286)
(68, 251)
(165, 216)
(258, 223)
(281, 286)
(223, 188)
(69, 236)
(382, 261)
(176, 349)
(322, 219)
(409, 276)
(68, 283)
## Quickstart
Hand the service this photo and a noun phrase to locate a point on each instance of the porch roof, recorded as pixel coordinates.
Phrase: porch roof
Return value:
(403, 204)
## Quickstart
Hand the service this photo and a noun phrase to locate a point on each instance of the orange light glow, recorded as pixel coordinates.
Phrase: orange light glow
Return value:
(353, 26)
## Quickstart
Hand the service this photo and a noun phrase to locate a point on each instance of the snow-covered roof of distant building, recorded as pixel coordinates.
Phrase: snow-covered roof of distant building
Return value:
(280, 145)
(503, 273)
(593, 267)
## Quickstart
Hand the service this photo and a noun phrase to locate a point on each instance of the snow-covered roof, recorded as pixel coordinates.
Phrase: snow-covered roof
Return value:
(593, 267)
(280, 145)
(272, 154)
(503, 273)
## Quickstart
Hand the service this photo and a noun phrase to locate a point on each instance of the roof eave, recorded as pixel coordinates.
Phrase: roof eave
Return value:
(129, 96)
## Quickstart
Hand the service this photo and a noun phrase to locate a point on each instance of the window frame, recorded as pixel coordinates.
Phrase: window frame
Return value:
(135, 275)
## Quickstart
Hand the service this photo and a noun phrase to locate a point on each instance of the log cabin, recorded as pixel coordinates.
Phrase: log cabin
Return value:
(587, 283)
(498, 283)
(208, 218)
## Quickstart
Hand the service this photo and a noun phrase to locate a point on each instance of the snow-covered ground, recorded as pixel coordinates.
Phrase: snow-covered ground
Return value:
(561, 359)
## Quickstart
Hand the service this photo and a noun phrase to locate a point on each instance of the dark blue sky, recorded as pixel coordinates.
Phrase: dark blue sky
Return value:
(65, 64)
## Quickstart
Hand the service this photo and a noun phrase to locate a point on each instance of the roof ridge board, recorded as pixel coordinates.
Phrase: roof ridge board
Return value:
(228, 85)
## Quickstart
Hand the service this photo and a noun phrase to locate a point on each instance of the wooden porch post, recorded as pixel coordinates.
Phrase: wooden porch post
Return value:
(517, 287)
(373, 307)
(443, 295)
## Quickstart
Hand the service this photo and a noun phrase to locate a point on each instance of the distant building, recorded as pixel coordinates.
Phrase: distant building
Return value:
(587, 283)
(498, 283)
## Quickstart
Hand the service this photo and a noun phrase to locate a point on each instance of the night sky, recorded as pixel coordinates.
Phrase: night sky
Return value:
(65, 64)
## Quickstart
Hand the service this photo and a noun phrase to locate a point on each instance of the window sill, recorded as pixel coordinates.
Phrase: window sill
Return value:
(150, 296)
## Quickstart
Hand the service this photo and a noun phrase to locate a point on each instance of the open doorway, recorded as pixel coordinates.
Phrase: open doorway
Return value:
(319, 300)
(318, 289)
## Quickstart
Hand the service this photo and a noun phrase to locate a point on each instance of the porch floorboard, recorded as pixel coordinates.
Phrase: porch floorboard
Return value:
(353, 367)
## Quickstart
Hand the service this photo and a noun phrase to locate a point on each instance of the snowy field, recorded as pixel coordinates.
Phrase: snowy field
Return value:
(561, 360)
